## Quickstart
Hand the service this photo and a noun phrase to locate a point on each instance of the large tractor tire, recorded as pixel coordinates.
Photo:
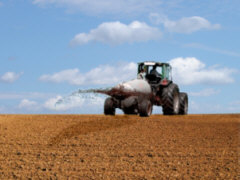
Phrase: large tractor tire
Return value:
(109, 108)
(170, 100)
(183, 97)
(145, 108)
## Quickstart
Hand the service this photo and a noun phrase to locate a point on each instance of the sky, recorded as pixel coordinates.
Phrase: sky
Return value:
(51, 48)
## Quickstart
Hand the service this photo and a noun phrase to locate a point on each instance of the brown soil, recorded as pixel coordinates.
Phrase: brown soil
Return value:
(120, 147)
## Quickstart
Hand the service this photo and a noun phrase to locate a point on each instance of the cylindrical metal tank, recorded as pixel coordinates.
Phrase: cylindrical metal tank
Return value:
(136, 85)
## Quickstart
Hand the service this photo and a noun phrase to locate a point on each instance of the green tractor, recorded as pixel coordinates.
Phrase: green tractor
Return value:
(153, 86)
(165, 92)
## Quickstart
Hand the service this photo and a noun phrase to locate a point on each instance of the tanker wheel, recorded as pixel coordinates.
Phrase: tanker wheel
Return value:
(109, 108)
(170, 99)
(145, 108)
(183, 97)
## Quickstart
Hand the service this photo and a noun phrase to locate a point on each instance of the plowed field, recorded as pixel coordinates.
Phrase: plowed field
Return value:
(120, 147)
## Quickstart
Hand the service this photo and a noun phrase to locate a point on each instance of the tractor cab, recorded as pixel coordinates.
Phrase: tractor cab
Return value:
(155, 73)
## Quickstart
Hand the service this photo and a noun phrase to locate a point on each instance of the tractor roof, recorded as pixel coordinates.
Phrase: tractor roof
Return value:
(153, 63)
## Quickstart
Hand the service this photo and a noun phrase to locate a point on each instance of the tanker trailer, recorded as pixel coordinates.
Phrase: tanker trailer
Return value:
(132, 97)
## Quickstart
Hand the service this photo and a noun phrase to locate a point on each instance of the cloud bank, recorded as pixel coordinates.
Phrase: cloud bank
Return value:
(10, 77)
(117, 33)
(190, 70)
(28, 104)
(101, 75)
(184, 25)
(186, 71)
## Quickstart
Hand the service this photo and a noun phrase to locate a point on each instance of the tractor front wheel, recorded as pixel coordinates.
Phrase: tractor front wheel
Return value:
(170, 99)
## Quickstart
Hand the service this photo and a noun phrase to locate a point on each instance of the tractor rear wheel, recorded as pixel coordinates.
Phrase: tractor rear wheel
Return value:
(145, 108)
(170, 100)
(183, 97)
(109, 108)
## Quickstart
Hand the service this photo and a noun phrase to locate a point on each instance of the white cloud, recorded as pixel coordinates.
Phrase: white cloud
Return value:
(190, 70)
(102, 75)
(10, 77)
(103, 6)
(185, 24)
(1, 4)
(71, 76)
(28, 105)
(118, 33)
(205, 92)
(186, 71)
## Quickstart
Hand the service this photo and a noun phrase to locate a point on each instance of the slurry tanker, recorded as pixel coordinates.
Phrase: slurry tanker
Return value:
(154, 86)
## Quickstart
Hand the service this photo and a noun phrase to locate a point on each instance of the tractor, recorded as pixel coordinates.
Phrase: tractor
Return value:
(154, 86)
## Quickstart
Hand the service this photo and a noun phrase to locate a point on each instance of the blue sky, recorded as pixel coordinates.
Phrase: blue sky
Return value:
(51, 48)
